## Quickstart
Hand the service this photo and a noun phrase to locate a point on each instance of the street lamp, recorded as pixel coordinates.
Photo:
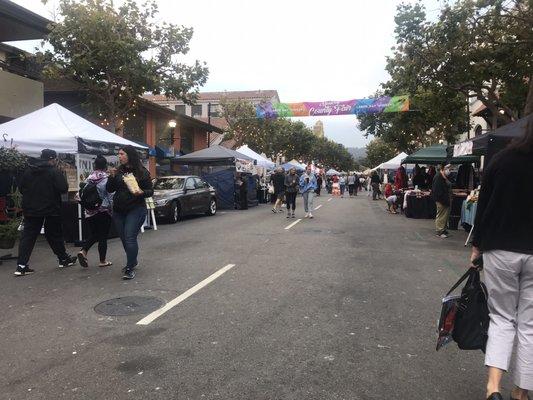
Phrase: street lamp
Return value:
(172, 123)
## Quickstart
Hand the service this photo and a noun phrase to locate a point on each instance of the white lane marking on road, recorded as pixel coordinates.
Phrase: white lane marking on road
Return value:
(331, 198)
(291, 225)
(173, 303)
(317, 207)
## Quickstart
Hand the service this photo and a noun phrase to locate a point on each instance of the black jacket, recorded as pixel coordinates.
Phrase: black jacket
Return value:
(123, 200)
(41, 186)
(441, 190)
(292, 183)
(278, 180)
(504, 217)
(375, 179)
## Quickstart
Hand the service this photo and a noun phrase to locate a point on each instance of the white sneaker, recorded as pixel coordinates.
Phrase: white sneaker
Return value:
(306, 215)
(310, 215)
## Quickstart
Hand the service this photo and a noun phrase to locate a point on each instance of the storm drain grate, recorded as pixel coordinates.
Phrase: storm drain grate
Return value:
(130, 305)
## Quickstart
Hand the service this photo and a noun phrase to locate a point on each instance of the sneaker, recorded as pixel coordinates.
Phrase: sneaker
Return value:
(310, 215)
(23, 270)
(274, 210)
(82, 260)
(67, 262)
(293, 216)
(129, 273)
(288, 215)
(306, 215)
(443, 235)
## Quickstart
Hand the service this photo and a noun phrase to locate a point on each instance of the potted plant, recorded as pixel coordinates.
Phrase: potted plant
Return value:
(9, 230)
(9, 233)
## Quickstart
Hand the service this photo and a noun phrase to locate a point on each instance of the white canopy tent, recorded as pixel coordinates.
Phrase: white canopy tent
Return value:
(57, 128)
(54, 127)
(331, 172)
(261, 161)
(393, 163)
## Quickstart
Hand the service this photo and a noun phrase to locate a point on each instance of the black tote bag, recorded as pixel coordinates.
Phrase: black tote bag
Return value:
(472, 318)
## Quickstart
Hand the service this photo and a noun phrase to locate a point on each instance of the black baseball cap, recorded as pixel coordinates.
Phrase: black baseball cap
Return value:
(48, 154)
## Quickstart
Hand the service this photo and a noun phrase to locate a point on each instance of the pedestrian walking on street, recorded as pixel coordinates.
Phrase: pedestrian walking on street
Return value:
(129, 206)
(503, 234)
(351, 184)
(375, 181)
(42, 185)
(342, 184)
(441, 193)
(97, 215)
(278, 180)
(307, 188)
(291, 190)
(319, 182)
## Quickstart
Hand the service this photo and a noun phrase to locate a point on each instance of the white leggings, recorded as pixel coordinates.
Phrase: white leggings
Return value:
(509, 280)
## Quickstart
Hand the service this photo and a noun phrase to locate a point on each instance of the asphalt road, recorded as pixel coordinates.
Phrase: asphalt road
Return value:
(343, 306)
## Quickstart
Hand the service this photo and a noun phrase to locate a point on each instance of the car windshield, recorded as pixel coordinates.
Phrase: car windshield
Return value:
(169, 183)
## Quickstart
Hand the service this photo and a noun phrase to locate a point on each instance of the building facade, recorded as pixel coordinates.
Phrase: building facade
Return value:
(208, 103)
(21, 90)
(167, 133)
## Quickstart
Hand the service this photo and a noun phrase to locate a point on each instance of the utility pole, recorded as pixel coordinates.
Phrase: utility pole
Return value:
(209, 122)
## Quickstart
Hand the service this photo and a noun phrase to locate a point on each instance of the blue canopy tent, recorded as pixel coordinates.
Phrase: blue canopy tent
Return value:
(217, 165)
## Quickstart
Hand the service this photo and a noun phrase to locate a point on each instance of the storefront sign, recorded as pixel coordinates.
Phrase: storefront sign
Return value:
(328, 108)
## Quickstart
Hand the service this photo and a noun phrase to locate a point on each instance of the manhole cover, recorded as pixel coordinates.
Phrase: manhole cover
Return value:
(130, 305)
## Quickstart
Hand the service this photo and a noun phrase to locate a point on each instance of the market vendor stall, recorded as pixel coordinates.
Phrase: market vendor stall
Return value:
(490, 143)
(219, 166)
(437, 154)
(419, 205)
(77, 142)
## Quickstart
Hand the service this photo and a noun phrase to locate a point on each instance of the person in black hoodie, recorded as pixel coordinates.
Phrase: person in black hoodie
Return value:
(441, 193)
(129, 207)
(42, 185)
(503, 235)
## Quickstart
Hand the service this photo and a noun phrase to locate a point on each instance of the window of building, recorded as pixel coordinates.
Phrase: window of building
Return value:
(180, 109)
(196, 110)
(215, 110)
(134, 127)
(478, 131)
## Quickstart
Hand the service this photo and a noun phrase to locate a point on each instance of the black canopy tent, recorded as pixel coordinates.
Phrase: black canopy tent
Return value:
(490, 143)
(437, 154)
(218, 166)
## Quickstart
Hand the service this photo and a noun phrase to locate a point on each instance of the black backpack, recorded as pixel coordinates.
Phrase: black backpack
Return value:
(90, 199)
(471, 327)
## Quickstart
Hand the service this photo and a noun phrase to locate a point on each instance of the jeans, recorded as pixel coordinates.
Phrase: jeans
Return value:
(99, 225)
(53, 232)
(290, 198)
(128, 226)
(509, 280)
(343, 188)
(308, 201)
(441, 221)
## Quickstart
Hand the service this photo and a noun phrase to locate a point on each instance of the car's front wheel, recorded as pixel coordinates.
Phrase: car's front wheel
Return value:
(212, 207)
(174, 213)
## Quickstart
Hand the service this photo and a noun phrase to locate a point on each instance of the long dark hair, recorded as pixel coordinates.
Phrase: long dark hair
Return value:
(524, 144)
(134, 161)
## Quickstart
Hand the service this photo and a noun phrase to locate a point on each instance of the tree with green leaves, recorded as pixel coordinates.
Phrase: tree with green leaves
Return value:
(476, 49)
(379, 151)
(118, 54)
(481, 49)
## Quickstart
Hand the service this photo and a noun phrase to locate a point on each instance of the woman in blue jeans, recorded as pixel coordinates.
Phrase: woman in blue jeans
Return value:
(129, 207)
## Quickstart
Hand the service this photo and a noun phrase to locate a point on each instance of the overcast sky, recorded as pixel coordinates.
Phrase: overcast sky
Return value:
(307, 50)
